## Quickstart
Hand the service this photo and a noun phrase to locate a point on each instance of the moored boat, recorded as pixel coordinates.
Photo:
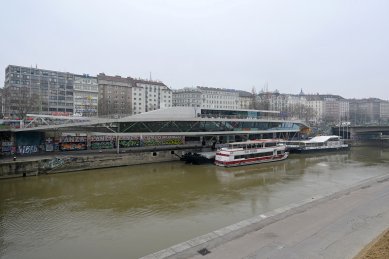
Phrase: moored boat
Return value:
(197, 158)
(317, 144)
(251, 152)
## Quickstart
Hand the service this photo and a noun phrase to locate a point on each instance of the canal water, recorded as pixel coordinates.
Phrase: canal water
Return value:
(129, 212)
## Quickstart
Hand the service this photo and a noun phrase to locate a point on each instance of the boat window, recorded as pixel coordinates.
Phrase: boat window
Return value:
(271, 144)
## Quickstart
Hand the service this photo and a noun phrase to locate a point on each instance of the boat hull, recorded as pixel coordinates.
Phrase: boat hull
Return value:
(317, 150)
(197, 158)
(253, 161)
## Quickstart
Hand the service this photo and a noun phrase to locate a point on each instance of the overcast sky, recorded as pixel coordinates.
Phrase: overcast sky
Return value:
(332, 46)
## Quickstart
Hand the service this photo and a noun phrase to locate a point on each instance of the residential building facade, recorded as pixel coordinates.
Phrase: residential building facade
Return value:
(1, 102)
(151, 95)
(86, 95)
(207, 97)
(115, 95)
(245, 100)
(316, 103)
(368, 111)
(35, 90)
(187, 97)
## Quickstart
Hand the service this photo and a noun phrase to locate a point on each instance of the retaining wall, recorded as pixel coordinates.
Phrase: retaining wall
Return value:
(69, 163)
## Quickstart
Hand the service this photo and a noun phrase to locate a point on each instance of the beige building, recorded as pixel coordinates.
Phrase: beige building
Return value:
(212, 98)
(246, 100)
(115, 95)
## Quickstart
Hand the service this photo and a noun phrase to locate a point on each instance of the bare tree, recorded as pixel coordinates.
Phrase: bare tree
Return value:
(253, 103)
(302, 112)
(23, 101)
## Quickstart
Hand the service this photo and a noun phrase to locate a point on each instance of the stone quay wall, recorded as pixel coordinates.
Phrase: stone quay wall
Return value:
(68, 163)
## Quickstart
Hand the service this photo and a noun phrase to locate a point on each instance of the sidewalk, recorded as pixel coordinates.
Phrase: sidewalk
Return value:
(338, 228)
(334, 225)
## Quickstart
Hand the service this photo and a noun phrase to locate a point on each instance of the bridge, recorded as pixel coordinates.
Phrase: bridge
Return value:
(368, 132)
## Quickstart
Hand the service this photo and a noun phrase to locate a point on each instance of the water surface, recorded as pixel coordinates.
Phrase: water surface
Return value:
(128, 212)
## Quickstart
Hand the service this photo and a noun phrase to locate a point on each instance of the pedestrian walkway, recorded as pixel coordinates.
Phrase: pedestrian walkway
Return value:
(337, 228)
(334, 225)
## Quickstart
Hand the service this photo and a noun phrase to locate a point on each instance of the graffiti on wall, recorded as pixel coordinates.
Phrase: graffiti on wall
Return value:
(56, 162)
(69, 143)
(6, 146)
(72, 146)
(26, 150)
(49, 146)
(102, 142)
(163, 140)
(129, 141)
(73, 139)
(102, 145)
(102, 138)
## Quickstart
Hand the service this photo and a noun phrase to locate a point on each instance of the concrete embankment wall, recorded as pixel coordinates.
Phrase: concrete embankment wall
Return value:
(68, 163)
(369, 142)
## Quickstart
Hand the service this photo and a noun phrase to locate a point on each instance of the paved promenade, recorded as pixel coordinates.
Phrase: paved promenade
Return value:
(335, 225)
(338, 228)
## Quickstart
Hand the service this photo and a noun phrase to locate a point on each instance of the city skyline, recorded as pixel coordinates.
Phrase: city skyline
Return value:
(328, 48)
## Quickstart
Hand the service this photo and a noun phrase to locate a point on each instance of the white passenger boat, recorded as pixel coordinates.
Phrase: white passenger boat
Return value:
(316, 144)
(251, 152)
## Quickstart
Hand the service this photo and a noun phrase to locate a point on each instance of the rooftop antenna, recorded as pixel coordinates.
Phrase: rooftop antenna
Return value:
(150, 77)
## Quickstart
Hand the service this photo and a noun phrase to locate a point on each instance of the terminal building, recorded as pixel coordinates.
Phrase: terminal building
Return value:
(174, 126)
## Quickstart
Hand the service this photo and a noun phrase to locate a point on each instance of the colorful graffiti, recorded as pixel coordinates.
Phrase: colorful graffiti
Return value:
(72, 146)
(70, 143)
(129, 141)
(73, 139)
(162, 140)
(102, 138)
(102, 142)
(102, 145)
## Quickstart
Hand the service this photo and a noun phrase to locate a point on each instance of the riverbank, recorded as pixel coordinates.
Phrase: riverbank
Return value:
(76, 161)
(335, 225)
(377, 249)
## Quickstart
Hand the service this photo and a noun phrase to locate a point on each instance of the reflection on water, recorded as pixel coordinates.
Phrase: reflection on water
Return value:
(131, 211)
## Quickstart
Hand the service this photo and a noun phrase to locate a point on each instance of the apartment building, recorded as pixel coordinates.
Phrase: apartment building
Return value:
(151, 95)
(35, 90)
(188, 97)
(369, 110)
(245, 100)
(126, 95)
(207, 97)
(115, 95)
(86, 95)
(1, 102)
(316, 103)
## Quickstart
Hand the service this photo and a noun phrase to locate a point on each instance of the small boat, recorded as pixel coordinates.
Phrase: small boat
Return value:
(197, 158)
(317, 144)
(251, 152)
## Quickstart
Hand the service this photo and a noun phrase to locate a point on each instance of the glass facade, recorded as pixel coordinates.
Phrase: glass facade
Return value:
(206, 126)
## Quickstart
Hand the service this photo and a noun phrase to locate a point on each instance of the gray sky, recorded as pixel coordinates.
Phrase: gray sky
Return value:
(331, 46)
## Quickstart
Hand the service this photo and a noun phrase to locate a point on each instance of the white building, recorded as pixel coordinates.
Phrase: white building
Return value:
(150, 95)
(85, 94)
(207, 97)
(187, 97)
